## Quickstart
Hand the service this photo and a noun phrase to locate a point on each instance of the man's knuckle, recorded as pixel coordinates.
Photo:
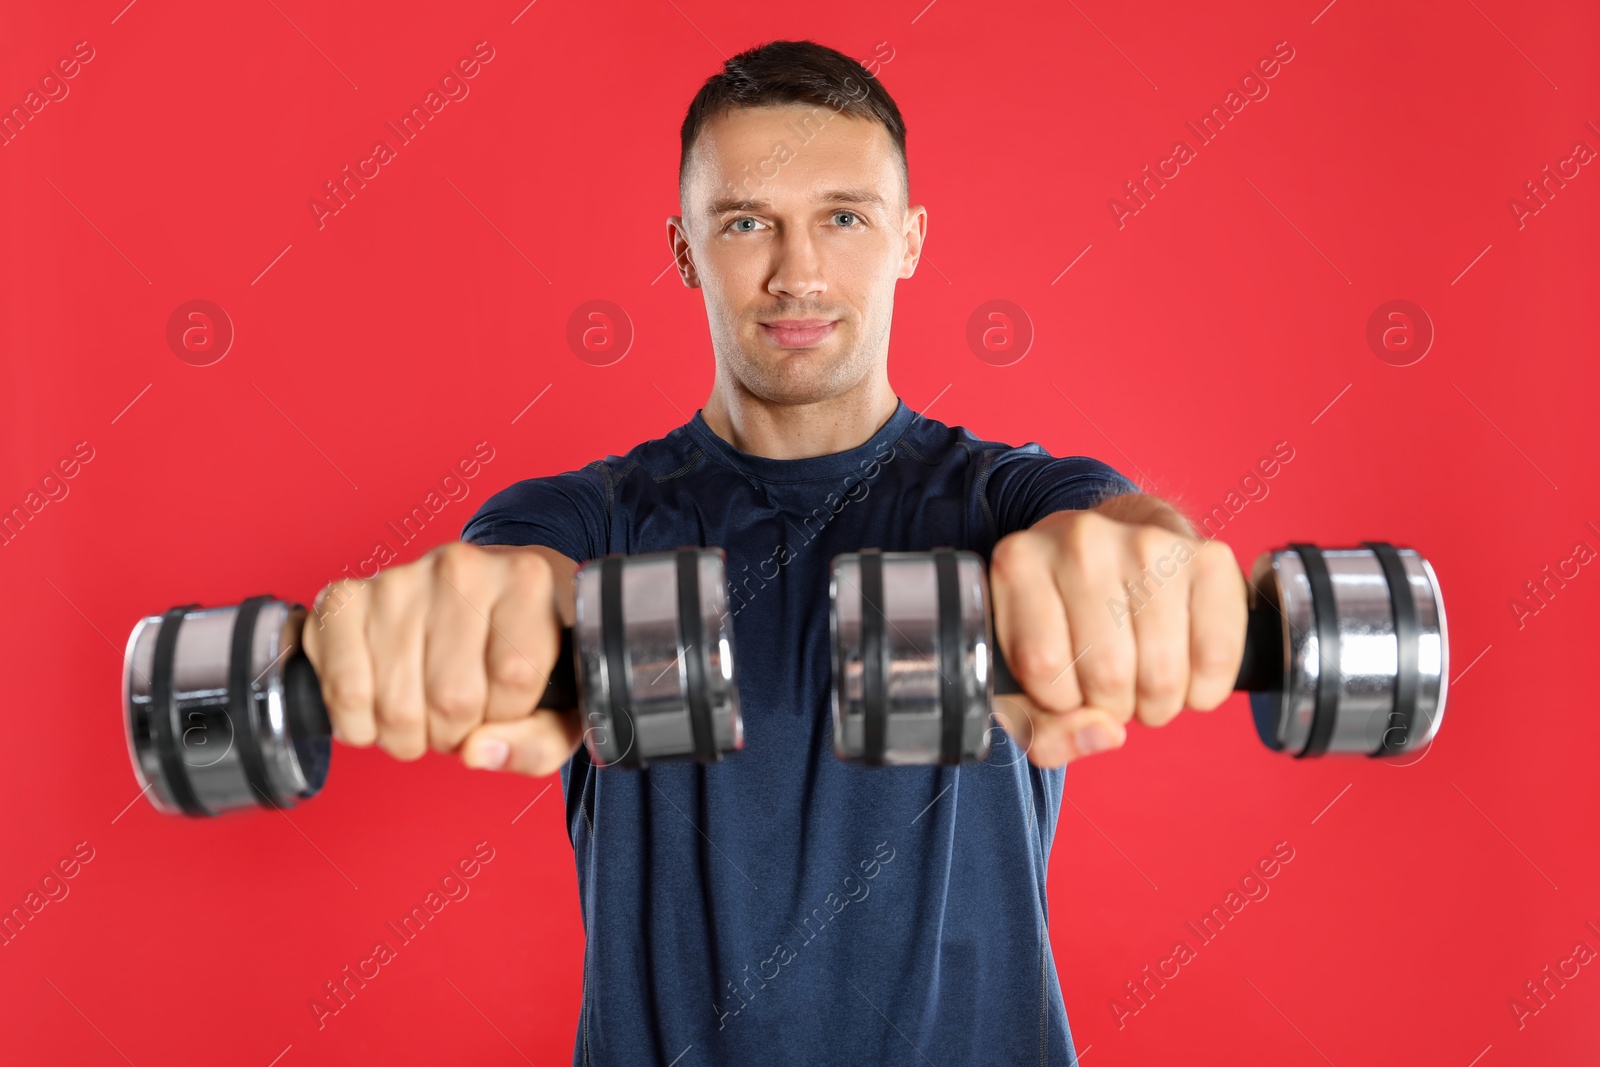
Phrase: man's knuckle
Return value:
(390, 590)
(1013, 555)
(457, 699)
(1150, 543)
(513, 670)
(456, 561)
(1085, 568)
(1085, 530)
(1161, 674)
(321, 598)
(528, 569)
(346, 692)
(1087, 547)
(400, 717)
(1108, 672)
(1037, 661)
(1214, 559)
(331, 601)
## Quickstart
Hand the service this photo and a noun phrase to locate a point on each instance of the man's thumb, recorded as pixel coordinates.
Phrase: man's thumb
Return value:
(537, 745)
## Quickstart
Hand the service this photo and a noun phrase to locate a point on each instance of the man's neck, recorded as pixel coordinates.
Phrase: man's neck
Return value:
(799, 431)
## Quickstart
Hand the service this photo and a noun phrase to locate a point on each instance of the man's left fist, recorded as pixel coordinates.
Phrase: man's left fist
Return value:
(1102, 620)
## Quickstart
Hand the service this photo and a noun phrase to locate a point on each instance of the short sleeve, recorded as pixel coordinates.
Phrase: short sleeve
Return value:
(1025, 484)
(566, 512)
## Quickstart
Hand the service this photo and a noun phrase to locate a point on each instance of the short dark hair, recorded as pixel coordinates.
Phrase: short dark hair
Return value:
(794, 72)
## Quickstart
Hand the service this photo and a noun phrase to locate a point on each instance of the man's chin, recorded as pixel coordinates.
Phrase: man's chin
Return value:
(811, 386)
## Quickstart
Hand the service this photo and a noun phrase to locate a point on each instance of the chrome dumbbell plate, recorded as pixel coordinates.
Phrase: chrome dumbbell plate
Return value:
(205, 704)
(655, 658)
(911, 679)
(1363, 651)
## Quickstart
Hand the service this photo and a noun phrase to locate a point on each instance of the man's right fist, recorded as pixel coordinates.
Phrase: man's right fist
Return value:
(450, 652)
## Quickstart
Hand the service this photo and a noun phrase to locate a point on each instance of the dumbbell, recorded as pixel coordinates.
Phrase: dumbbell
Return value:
(224, 711)
(1345, 652)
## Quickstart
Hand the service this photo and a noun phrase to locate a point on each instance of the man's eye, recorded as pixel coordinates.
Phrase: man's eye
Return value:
(736, 222)
(848, 214)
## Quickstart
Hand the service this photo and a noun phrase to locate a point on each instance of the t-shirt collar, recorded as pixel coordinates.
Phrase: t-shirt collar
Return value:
(811, 468)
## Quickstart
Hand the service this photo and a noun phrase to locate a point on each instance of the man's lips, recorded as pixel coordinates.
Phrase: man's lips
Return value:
(798, 333)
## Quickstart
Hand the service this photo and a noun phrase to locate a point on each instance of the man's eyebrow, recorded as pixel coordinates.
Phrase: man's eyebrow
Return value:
(726, 204)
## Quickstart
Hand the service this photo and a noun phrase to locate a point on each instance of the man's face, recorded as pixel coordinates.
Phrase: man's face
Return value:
(796, 228)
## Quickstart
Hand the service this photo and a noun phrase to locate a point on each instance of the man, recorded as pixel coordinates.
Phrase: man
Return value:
(783, 906)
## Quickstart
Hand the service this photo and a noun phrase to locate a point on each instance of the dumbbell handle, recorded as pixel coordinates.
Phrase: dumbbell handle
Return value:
(308, 715)
(1260, 672)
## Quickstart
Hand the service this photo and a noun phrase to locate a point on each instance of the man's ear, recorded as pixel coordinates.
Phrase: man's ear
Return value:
(682, 257)
(916, 231)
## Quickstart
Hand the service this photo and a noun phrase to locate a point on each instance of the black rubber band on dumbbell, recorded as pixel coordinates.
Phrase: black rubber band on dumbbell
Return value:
(694, 651)
(242, 702)
(1325, 616)
(951, 710)
(874, 668)
(1407, 636)
(164, 714)
(614, 649)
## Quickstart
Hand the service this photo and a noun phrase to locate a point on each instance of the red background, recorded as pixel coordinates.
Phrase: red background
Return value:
(374, 352)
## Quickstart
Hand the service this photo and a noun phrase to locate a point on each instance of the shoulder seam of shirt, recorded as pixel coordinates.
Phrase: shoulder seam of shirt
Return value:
(914, 454)
(985, 468)
(602, 468)
(690, 464)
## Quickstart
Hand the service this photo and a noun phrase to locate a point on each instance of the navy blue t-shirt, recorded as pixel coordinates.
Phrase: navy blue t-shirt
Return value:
(784, 906)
